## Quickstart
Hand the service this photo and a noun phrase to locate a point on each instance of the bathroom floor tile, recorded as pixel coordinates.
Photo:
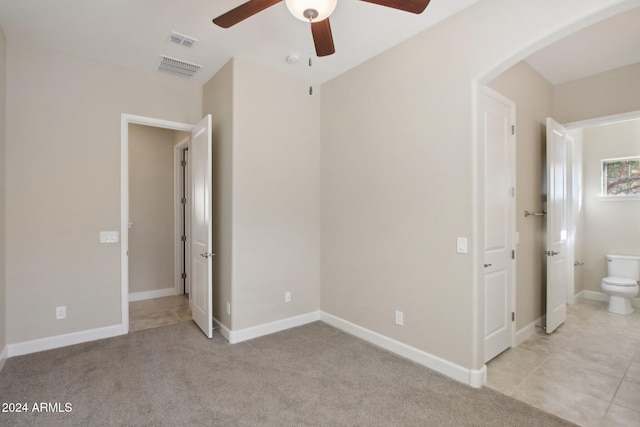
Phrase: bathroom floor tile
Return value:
(506, 379)
(633, 372)
(578, 377)
(619, 416)
(587, 371)
(614, 366)
(628, 395)
(556, 398)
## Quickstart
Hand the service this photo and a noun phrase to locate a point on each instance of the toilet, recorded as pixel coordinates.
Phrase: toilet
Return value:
(621, 283)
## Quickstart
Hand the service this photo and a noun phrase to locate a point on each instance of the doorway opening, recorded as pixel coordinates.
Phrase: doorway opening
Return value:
(158, 232)
(152, 279)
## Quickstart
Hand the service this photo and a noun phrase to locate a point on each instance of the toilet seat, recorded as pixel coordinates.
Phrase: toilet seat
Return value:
(619, 281)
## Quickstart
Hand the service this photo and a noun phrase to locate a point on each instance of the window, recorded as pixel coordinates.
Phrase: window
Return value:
(621, 177)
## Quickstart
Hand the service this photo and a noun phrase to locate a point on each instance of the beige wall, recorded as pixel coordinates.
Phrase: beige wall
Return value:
(533, 97)
(151, 208)
(63, 183)
(610, 226)
(276, 212)
(397, 176)
(218, 101)
(605, 94)
(267, 151)
(3, 91)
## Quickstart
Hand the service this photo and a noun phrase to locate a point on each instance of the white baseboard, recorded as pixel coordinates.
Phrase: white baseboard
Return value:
(474, 378)
(64, 340)
(158, 293)
(3, 357)
(601, 296)
(270, 328)
(524, 333)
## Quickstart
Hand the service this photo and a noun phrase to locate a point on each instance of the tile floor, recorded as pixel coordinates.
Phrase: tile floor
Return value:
(587, 372)
(156, 312)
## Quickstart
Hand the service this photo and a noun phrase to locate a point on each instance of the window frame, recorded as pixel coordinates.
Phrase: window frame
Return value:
(603, 178)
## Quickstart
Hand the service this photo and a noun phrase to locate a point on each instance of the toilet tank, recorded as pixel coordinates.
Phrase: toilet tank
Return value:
(623, 266)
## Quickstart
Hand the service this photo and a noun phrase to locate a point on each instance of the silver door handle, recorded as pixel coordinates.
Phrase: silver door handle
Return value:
(551, 253)
(487, 265)
(207, 255)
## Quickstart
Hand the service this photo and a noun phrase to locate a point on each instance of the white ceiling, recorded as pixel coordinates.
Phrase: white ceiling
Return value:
(604, 46)
(134, 33)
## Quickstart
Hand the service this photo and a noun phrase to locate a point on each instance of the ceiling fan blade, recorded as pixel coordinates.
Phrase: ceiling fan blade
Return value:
(322, 37)
(243, 12)
(413, 6)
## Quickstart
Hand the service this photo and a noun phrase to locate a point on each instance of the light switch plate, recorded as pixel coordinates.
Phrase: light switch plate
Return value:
(461, 245)
(108, 237)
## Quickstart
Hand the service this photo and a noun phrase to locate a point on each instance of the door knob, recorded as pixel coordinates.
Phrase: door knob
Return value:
(551, 253)
(487, 265)
(207, 254)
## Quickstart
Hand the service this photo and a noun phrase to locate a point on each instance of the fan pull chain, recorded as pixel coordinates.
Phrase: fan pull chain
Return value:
(310, 87)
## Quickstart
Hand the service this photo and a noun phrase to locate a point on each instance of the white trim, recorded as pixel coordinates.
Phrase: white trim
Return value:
(601, 296)
(477, 232)
(49, 343)
(125, 121)
(478, 377)
(3, 357)
(272, 327)
(593, 296)
(606, 120)
(525, 333)
(473, 378)
(156, 293)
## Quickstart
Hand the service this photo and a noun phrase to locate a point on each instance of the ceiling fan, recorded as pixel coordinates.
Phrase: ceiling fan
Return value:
(314, 11)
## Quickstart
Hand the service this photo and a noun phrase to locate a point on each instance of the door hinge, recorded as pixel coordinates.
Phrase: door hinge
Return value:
(183, 163)
(184, 275)
(513, 129)
(513, 254)
(183, 200)
(512, 190)
(513, 316)
(183, 238)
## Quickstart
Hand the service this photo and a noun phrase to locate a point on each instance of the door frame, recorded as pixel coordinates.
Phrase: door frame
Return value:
(177, 215)
(572, 208)
(125, 121)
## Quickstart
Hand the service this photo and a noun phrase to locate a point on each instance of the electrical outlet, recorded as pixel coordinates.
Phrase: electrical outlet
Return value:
(287, 296)
(61, 312)
(228, 308)
(399, 318)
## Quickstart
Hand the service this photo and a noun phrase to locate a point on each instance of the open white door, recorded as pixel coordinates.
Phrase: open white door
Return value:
(498, 138)
(557, 225)
(200, 297)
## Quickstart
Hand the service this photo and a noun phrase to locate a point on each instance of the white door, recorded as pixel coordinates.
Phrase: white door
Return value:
(557, 230)
(498, 134)
(200, 297)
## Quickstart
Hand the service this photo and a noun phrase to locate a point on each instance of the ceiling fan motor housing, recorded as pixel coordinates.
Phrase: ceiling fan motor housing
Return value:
(311, 10)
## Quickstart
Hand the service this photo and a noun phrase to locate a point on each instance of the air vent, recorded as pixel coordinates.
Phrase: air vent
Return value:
(177, 67)
(181, 39)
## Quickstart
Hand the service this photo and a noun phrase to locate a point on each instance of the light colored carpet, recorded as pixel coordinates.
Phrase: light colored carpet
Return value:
(314, 375)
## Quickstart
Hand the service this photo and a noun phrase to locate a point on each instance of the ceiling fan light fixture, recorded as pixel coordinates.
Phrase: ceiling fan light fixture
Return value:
(311, 10)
